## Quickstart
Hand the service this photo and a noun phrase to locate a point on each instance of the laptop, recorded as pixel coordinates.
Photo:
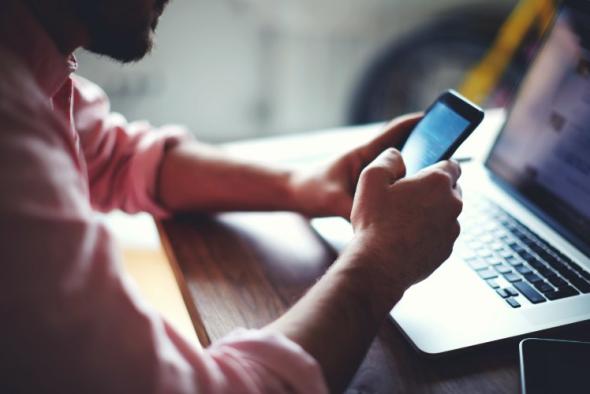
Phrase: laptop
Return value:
(521, 263)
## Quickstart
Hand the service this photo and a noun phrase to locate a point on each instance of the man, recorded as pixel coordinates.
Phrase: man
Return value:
(70, 321)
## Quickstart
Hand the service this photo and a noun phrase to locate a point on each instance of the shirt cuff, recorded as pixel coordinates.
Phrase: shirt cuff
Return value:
(148, 160)
(271, 360)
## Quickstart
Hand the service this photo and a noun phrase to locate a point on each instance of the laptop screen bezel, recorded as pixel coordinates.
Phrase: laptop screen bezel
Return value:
(513, 190)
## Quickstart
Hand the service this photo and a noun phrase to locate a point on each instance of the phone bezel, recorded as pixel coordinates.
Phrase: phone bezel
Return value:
(466, 109)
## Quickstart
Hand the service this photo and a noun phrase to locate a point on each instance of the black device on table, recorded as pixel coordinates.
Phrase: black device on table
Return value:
(550, 366)
(447, 123)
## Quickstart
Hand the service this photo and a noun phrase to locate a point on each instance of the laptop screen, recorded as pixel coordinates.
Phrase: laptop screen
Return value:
(544, 150)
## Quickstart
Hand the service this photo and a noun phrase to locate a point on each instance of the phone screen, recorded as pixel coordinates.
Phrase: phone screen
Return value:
(433, 136)
(554, 366)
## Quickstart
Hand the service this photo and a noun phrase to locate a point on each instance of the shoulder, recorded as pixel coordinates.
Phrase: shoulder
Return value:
(17, 83)
(23, 106)
(91, 106)
(89, 93)
(30, 131)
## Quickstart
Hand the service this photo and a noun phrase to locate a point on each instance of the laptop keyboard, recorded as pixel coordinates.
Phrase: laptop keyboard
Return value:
(514, 261)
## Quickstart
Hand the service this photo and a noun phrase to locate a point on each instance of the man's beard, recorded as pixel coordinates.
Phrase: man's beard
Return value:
(117, 28)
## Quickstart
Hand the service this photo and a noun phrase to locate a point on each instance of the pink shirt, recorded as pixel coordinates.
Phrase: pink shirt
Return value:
(71, 323)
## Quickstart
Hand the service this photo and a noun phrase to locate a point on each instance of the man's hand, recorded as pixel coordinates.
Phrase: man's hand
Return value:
(329, 191)
(405, 227)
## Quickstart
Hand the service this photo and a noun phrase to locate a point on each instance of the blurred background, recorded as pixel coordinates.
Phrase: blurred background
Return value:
(236, 69)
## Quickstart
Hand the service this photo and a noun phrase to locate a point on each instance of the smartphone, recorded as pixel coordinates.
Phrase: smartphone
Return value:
(446, 124)
(554, 366)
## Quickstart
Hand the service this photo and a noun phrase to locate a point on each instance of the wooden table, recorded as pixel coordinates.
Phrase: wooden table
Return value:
(246, 269)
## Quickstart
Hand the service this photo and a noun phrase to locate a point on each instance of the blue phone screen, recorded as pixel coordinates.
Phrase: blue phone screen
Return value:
(431, 138)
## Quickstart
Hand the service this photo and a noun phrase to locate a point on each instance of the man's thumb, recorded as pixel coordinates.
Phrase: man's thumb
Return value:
(387, 168)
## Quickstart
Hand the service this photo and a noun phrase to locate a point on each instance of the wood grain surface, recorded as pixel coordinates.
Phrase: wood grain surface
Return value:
(245, 269)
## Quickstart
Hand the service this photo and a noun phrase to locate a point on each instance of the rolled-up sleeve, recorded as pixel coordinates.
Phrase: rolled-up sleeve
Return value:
(123, 159)
(266, 362)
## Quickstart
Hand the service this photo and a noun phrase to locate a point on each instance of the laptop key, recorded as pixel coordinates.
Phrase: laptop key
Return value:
(538, 249)
(570, 275)
(497, 246)
(585, 274)
(517, 248)
(579, 270)
(553, 261)
(561, 268)
(533, 278)
(493, 283)
(511, 291)
(484, 253)
(477, 264)
(536, 264)
(513, 260)
(556, 280)
(523, 269)
(531, 294)
(503, 269)
(503, 293)
(526, 240)
(487, 274)
(513, 303)
(545, 271)
(512, 277)
(493, 260)
(562, 293)
(545, 255)
(526, 256)
(580, 284)
(544, 287)
(487, 238)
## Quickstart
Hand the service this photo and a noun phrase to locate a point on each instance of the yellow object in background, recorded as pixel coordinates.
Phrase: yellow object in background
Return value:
(481, 81)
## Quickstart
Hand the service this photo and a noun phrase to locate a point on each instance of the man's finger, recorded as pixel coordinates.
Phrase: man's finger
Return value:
(387, 168)
(394, 135)
(458, 191)
(450, 167)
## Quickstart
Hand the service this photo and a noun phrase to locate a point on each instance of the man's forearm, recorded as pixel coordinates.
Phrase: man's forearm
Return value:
(198, 177)
(338, 318)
